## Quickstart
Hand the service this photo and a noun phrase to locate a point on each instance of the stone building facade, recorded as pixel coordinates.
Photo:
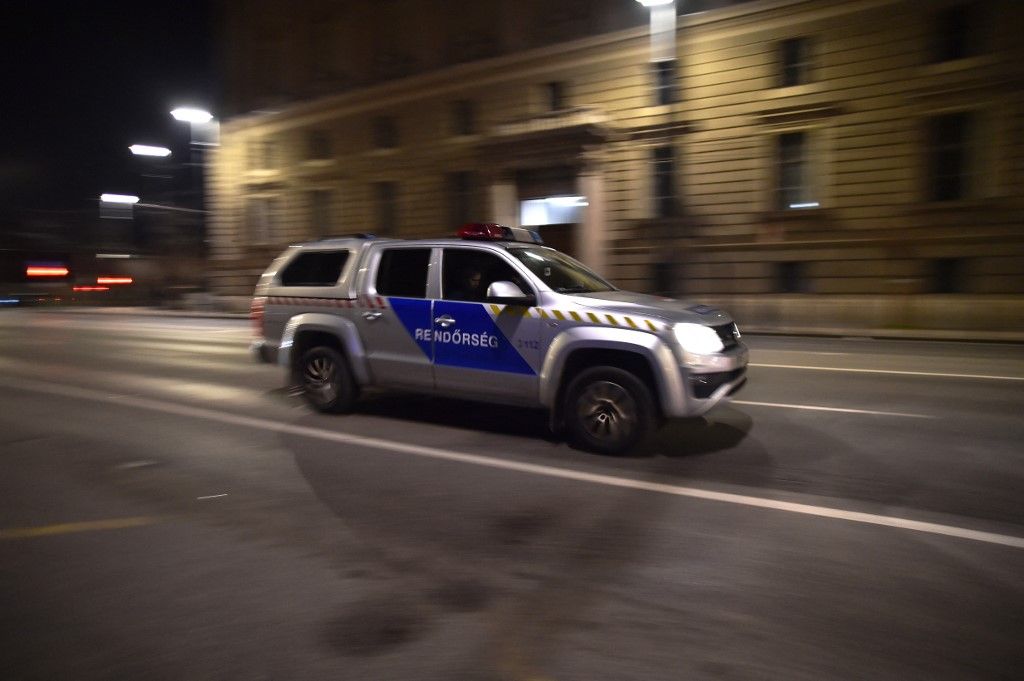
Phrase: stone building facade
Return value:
(829, 164)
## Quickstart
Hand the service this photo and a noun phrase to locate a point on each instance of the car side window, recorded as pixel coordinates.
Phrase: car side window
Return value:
(466, 274)
(314, 268)
(402, 272)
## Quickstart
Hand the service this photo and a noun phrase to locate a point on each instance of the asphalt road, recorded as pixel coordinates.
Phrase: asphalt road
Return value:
(169, 511)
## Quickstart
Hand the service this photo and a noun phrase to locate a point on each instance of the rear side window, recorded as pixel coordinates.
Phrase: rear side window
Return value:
(403, 272)
(314, 268)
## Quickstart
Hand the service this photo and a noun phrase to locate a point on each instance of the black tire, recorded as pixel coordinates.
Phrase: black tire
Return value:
(326, 380)
(608, 410)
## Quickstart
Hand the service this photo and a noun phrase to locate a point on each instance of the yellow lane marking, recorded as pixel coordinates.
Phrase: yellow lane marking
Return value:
(70, 528)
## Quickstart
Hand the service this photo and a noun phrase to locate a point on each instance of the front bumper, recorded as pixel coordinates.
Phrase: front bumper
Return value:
(707, 380)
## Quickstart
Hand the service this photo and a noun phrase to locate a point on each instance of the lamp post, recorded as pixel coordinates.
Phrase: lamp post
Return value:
(663, 29)
(663, 68)
(204, 132)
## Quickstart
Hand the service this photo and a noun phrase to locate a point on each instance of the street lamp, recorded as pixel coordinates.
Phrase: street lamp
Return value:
(119, 198)
(191, 115)
(147, 150)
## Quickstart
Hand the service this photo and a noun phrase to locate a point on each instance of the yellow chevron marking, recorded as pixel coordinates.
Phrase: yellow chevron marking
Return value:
(543, 314)
(576, 315)
(594, 318)
(613, 320)
(651, 325)
(495, 309)
(558, 314)
(629, 320)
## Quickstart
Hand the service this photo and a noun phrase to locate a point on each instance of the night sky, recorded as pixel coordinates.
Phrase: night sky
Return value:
(86, 79)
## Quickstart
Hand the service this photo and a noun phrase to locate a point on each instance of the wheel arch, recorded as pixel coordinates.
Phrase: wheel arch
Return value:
(642, 354)
(305, 331)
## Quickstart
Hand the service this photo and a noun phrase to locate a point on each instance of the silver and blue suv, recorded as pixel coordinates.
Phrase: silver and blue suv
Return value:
(497, 317)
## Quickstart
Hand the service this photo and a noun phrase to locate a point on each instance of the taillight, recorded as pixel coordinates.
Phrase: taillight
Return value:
(259, 304)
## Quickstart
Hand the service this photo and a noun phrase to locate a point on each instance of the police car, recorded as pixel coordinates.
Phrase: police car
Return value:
(492, 315)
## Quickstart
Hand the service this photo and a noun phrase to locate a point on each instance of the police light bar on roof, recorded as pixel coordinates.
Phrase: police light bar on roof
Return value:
(490, 231)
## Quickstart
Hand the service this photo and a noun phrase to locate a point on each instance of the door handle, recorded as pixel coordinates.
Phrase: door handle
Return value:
(444, 320)
(370, 316)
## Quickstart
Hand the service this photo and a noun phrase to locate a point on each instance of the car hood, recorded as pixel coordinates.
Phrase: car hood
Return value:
(670, 310)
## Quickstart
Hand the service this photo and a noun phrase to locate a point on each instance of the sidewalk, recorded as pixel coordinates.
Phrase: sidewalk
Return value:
(147, 311)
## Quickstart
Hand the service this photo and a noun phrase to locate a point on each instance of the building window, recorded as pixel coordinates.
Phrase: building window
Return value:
(948, 156)
(261, 214)
(253, 154)
(386, 196)
(320, 223)
(385, 133)
(793, 189)
(463, 117)
(955, 34)
(664, 182)
(268, 153)
(554, 96)
(790, 277)
(947, 275)
(460, 198)
(795, 62)
(664, 81)
(318, 145)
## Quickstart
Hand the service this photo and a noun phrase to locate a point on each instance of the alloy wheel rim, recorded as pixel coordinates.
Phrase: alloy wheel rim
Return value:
(319, 378)
(607, 410)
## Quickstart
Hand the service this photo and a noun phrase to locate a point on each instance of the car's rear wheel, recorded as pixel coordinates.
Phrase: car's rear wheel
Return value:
(326, 380)
(608, 410)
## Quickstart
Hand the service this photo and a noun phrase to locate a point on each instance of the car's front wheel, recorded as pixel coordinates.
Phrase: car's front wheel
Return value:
(326, 380)
(608, 410)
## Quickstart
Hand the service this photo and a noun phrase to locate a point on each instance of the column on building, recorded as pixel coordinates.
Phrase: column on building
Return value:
(592, 237)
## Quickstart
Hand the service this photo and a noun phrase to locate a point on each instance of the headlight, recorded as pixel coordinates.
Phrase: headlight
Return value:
(697, 338)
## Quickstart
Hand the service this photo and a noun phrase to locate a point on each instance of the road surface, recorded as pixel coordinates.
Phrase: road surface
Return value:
(168, 510)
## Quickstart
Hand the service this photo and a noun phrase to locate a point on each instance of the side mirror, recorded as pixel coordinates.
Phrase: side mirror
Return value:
(507, 293)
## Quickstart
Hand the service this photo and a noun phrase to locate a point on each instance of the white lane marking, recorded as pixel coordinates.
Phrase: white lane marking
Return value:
(811, 407)
(135, 464)
(211, 496)
(890, 371)
(518, 466)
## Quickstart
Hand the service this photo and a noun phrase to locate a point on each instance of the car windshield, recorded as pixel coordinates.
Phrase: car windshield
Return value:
(559, 271)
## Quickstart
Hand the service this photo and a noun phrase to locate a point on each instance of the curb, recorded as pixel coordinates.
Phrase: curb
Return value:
(753, 330)
(146, 312)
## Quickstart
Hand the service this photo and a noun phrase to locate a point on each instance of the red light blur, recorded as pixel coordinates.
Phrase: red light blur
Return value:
(35, 271)
(114, 280)
(482, 230)
(90, 288)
